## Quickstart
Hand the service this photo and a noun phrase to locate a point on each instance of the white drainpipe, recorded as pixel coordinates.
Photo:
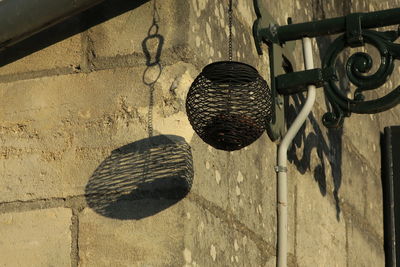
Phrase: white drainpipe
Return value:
(282, 159)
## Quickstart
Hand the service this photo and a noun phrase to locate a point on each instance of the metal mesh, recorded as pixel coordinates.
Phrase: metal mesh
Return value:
(229, 105)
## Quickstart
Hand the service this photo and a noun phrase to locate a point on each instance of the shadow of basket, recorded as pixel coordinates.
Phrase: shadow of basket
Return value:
(142, 178)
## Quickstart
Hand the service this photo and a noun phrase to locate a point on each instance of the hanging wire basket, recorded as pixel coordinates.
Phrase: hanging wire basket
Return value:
(229, 105)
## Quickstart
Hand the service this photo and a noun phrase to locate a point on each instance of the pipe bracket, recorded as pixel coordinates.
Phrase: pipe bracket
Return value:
(280, 169)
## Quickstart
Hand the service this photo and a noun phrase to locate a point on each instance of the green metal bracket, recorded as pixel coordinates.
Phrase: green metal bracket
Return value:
(353, 30)
(296, 82)
(280, 58)
(276, 128)
(355, 33)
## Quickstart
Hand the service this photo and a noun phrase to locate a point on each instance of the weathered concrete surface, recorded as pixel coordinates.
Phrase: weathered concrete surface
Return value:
(234, 182)
(194, 232)
(317, 229)
(362, 250)
(36, 238)
(362, 188)
(126, 34)
(366, 145)
(215, 237)
(151, 241)
(46, 136)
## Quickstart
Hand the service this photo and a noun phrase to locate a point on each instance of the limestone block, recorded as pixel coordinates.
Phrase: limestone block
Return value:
(57, 130)
(362, 250)
(217, 237)
(320, 237)
(361, 188)
(374, 203)
(354, 181)
(389, 118)
(148, 241)
(193, 231)
(363, 132)
(126, 34)
(244, 187)
(36, 238)
(50, 124)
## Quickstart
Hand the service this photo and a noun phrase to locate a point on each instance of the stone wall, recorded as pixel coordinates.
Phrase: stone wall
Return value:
(95, 142)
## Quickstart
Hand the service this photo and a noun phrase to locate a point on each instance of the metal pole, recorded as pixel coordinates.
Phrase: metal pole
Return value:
(282, 158)
(391, 190)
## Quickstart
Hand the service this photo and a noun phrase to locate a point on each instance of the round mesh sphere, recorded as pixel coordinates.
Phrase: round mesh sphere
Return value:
(229, 105)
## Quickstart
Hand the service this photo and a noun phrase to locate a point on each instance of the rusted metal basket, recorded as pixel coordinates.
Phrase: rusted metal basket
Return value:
(229, 105)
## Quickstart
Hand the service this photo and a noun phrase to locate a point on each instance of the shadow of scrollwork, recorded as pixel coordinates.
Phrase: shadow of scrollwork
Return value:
(328, 149)
(142, 178)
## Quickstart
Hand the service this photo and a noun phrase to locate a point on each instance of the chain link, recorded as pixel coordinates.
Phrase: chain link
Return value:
(230, 11)
(152, 64)
(156, 16)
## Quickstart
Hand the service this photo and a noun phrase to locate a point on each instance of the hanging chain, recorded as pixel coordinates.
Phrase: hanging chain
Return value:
(156, 16)
(230, 11)
(153, 63)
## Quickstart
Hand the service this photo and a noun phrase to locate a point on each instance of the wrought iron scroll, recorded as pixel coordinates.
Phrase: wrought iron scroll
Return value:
(357, 68)
(356, 32)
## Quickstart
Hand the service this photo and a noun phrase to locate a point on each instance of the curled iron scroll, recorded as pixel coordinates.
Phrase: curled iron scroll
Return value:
(357, 68)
